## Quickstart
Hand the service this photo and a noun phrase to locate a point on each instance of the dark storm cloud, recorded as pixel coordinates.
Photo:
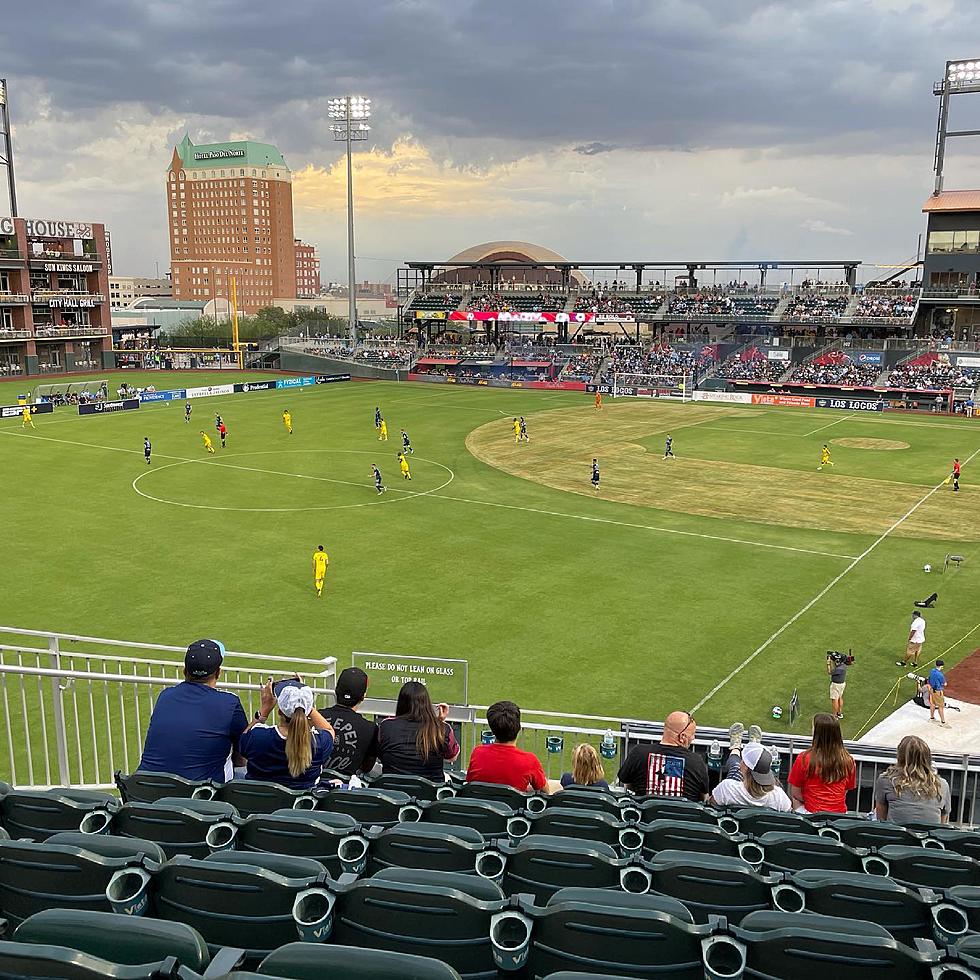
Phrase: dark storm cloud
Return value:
(634, 73)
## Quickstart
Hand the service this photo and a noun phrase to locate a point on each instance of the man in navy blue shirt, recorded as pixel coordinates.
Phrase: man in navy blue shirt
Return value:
(937, 699)
(194, 727)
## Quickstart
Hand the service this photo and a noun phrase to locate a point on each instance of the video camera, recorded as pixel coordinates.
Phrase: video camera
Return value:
(841, 659)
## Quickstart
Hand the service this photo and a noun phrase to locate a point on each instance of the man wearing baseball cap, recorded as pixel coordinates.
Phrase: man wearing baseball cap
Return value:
(355, 738)
(750, 780)
(195, 728)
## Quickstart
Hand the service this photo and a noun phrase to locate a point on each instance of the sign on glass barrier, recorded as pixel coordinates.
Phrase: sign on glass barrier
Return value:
(447, 680)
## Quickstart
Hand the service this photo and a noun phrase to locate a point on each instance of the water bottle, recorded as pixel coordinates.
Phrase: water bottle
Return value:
(607, 748)
(714, 756)
(776, 762)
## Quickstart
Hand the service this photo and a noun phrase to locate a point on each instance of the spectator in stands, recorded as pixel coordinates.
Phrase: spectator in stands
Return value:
(418, 739)
(502, 761)
(355, 747)
(289, 752)
(586, 768)
(669, 768)
(911, 792)
(195, 728)
(749, 780)
(821, 776)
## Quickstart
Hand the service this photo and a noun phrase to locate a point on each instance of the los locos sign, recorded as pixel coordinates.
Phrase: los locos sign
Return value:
(48, 228)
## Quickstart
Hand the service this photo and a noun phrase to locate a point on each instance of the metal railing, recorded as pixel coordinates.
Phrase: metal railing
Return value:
(6, 297)
(82, 330)
(75, 710)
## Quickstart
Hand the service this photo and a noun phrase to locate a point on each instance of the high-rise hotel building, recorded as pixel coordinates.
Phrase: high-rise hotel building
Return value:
(230, 207)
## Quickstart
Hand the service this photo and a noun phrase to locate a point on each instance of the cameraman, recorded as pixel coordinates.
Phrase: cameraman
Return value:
(837, 668)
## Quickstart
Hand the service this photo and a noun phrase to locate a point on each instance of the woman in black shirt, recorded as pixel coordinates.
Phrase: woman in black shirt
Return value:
(418, 740)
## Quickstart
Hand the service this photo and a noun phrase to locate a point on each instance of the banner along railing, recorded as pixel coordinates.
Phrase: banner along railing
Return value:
(73, 711)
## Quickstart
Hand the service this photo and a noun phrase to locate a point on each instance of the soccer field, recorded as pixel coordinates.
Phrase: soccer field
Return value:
(714, 581)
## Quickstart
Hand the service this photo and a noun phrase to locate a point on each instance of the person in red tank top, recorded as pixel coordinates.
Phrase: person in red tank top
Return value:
(956, 473)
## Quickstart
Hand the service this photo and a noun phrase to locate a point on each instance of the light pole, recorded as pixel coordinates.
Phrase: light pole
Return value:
(961, 77)
(7, 149)
(350, 111)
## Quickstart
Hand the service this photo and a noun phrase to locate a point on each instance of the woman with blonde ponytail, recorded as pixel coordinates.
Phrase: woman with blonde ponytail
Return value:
(293, 751)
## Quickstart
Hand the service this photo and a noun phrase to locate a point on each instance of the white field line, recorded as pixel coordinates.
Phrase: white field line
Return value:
(813, 432)
(466, 500)
(854, 563)
(640, 527)
(938, 656)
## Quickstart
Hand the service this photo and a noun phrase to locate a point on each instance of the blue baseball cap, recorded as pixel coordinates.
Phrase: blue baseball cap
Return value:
(203, 657)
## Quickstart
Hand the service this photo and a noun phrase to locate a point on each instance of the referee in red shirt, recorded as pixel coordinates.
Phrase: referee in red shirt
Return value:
(503, 762)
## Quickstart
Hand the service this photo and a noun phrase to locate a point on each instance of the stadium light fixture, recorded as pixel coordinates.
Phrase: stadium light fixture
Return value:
(6, 147)
(963, 76)
(350, 111)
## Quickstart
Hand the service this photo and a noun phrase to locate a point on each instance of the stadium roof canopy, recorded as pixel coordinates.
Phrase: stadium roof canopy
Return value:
(953, 201)
(495, 252)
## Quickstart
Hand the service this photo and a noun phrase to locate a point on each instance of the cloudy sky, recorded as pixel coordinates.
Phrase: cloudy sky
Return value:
(619, 129)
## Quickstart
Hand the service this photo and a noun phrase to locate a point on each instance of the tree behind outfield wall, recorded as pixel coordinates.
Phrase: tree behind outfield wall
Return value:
(268, 322)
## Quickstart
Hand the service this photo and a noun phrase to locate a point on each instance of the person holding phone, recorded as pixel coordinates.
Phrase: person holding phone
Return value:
(418, 740)
(293, 751)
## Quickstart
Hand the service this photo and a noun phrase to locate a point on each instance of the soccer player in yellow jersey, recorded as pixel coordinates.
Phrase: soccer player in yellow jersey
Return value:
(383, 429)
(825, 457)
(403, 464)
(320, 562)
(287, 420)
(207, 441)
(517, 431)
(26, 417)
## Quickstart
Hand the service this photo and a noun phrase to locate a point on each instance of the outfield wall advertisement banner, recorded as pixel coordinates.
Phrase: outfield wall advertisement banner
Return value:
(866, 356)
(174, 395)
(327, 379)
(784, 401)
(100, 408)
(523, 316)
(12, 411)
(295, 382)
(255, 386)
(851, 404)
(443, 379)
(209, 391)
(736, 397)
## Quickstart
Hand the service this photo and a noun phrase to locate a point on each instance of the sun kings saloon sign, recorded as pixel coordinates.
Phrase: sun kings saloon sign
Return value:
(48, 228)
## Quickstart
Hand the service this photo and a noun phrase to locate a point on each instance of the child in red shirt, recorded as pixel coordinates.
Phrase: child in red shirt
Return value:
(503, 762)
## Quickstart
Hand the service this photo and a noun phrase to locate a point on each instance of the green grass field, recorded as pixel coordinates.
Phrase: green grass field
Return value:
(636, 601)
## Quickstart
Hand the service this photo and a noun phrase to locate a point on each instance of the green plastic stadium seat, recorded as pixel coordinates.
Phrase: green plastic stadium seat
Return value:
(369, 807)
(36, 876)
(586, 824)
(237, 905)
(711, 884)
(61, 963)
(684, 835)
(250, 796)
(425, 914)
(814, 947)
(482, 889)
(619, 807)
(605, 932)
(180, 826)
(430, 846)
(654, 808)
(37, 815)
(967, 898)
(4, 835)
(148, 787)
(116, 938)
(926, 866)
(304, 961)
(907, 913)
(799, 852)
(870, 833)
(540, 866)
(756, 821)
(488, 817)
(967, 952)
(961, 841)
(502, 794)
(302, 833)
(130, 848)
(417, 787)
(285, 865)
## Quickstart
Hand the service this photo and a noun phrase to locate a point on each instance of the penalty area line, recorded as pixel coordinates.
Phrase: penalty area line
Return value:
(837, 578)
(640, 527)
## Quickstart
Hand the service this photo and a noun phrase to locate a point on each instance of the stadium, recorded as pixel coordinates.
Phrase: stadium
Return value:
(507, 639)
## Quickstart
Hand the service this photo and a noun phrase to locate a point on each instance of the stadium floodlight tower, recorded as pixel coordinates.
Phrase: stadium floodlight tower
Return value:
(962, 78)
(6, 147)
(350, 111)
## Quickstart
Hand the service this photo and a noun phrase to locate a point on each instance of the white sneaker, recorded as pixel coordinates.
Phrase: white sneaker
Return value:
(735, 735)
(755, 733)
